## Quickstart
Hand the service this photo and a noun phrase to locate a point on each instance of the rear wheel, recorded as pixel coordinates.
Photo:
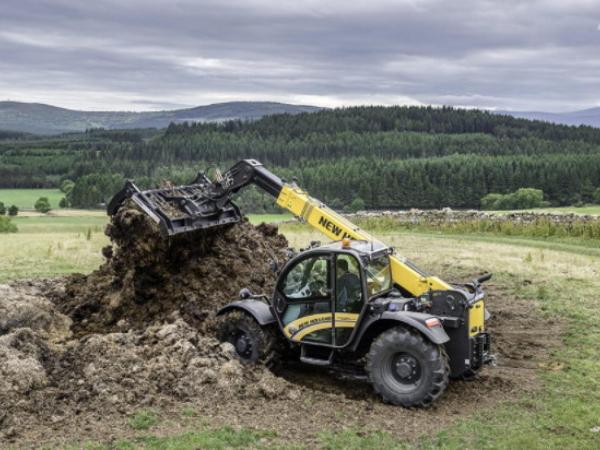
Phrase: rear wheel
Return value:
(252, 342)
(406, 369)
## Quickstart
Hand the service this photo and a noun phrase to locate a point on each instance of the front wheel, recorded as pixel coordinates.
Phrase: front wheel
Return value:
(406, 369)
(252, 343)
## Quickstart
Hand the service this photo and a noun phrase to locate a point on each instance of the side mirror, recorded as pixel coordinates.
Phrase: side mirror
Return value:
(484, 278)
(245, 293)
(274, 266)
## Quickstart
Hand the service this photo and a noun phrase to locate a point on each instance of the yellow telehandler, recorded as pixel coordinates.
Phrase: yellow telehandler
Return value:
(351, 303)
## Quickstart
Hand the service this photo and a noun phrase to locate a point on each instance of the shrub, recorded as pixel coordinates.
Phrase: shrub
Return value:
(6, 226)
(490, 201)
(596, 196)
(527, 198)
(94, 189)
(2, 209)
(523, 198)
(357, 204)
(63, 203)
(13, 210)
(67, 186)
(42, 205)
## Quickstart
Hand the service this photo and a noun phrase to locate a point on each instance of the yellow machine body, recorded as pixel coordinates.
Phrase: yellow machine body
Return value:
(336, 227)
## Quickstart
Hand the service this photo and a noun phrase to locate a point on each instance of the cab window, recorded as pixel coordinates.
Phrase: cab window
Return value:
(309, 279)
(379, 275)
(307, 287)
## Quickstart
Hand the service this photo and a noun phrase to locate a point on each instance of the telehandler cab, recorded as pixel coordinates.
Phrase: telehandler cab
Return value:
(350, 304)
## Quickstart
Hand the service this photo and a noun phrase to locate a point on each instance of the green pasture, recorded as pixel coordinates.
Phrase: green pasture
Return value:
(26, 198)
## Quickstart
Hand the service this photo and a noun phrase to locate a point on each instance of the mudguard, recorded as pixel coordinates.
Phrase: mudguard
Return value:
(415, 320)
(257, 309)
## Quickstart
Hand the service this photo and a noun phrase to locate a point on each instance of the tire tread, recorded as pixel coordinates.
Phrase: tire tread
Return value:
(437, 355)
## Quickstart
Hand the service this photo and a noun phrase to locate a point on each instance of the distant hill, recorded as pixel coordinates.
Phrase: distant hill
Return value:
(589, 117)
(46, 119)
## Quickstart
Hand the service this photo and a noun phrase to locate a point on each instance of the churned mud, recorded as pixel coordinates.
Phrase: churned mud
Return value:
(79, 355)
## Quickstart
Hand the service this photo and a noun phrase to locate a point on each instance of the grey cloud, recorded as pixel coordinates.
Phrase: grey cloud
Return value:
(138, 54)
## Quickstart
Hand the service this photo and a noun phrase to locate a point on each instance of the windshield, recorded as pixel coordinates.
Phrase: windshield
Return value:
(379, 276)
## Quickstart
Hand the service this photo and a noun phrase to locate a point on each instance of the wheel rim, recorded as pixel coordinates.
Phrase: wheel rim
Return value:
(404, 371)
(243, 344)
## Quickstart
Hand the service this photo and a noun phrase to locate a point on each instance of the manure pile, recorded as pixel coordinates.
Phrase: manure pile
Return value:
(147, 278)
(137, 332)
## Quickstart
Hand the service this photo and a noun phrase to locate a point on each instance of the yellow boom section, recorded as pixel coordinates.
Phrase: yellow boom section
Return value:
(336, 227)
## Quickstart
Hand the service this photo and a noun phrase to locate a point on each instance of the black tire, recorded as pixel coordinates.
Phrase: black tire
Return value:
(407, 369)
(253, 344)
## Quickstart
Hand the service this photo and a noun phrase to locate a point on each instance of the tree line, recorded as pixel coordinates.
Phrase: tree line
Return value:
(376, 157)
(458, 180)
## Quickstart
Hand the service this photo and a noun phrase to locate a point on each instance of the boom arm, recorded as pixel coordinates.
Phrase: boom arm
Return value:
(326, 220)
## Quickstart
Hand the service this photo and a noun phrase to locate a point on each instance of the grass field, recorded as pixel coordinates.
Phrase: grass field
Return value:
(26, 198)
(562, 279)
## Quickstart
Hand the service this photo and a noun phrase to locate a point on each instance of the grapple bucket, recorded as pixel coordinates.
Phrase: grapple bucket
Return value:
(202, 204)
(180, 209)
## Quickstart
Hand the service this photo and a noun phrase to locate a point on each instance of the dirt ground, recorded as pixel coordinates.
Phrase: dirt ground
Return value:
(78, 355)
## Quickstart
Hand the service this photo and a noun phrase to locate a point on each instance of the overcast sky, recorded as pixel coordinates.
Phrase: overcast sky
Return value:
(163, 54)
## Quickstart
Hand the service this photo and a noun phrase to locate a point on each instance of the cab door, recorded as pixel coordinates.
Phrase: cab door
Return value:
(320, 298)
(349, 297)
(304, 300)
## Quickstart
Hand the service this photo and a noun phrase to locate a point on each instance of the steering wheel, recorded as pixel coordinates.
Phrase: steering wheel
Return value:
(317, 287)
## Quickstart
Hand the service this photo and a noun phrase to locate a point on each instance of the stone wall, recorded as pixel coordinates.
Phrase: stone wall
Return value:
(447, 215)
